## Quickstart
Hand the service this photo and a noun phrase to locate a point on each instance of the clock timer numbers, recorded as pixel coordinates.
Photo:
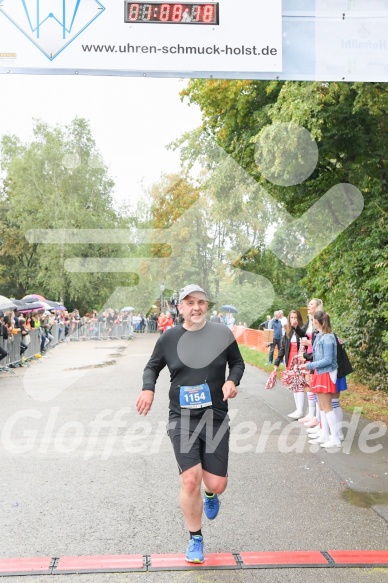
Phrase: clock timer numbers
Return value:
(172, 13)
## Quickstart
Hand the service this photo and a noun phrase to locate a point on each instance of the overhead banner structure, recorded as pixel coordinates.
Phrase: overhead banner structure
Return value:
(118, 35)
(324, 40)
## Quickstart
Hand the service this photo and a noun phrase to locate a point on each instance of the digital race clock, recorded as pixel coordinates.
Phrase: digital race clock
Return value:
(172, 12)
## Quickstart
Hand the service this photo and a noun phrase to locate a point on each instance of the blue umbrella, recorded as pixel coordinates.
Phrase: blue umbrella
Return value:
(228, 308)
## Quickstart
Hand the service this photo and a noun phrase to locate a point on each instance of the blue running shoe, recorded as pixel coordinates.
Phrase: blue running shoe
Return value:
(211, 506)
(194, 553)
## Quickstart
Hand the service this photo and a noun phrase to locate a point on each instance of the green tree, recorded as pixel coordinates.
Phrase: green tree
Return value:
(56, 181)
(349, 123)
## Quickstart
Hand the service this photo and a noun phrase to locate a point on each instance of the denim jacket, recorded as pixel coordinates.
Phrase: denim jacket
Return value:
(324, 354)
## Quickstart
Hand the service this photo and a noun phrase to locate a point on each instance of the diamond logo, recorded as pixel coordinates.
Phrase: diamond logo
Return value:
(51, 25)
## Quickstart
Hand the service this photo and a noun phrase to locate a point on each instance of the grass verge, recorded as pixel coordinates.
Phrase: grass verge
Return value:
(374, 404)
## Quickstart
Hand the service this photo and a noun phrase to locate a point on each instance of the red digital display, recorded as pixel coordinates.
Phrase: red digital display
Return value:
(172, 12)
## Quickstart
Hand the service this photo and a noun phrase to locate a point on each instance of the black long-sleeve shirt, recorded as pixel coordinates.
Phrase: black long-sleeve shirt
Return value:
(193, 358)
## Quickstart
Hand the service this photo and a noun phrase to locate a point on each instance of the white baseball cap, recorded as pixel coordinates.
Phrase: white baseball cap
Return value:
(189, 289)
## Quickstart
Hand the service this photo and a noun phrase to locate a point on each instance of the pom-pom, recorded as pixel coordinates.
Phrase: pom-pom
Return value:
(271, 381)
(293, 378)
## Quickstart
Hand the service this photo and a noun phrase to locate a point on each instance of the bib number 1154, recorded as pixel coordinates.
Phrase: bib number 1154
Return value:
(195, 397)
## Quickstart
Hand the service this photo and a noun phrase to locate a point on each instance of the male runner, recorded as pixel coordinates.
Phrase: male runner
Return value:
(196, 355)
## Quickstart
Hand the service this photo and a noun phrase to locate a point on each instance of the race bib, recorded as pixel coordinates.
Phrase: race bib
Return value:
(195, 397)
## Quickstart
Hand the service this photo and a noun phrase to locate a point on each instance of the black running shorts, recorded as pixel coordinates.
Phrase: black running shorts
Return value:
(202, 440)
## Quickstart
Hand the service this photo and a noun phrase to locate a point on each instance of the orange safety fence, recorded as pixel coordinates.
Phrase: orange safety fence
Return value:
(251, 338)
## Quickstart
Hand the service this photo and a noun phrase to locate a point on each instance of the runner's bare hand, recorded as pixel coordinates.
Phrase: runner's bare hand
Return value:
(229, 390)
(144, 402)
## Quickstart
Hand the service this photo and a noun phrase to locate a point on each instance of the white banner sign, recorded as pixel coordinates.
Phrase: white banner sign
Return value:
(116, 35)
(349, 49)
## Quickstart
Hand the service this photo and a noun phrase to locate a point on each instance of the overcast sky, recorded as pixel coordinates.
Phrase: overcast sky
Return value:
(132, 119)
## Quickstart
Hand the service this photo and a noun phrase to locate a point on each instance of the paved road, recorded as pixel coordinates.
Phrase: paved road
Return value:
(83, 474)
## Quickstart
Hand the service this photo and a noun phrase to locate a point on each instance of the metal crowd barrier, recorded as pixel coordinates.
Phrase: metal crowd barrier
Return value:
(99, 331)
(152, 326)
(104, 331)
(77, 331)
(12, 347)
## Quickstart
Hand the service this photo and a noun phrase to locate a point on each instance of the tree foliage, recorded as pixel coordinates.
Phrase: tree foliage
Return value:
(349, 122)
(56, 181)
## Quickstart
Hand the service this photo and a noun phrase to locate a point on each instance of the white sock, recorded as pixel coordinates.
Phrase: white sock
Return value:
(339, 415)
(317, 409)
(325, 433)
(299, 401)
(332, 422)
(311, 404)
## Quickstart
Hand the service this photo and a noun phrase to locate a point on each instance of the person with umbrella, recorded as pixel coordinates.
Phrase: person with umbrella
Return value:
(7, 326)
(230, 319)
(24, 341)
(35, 320)
(197, 355)
(3, 330)
(230, 309)
(16, 318)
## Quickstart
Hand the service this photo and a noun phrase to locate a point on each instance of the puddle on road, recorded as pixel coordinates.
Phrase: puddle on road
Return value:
(101, 365)
(110, 347)
(364, 499)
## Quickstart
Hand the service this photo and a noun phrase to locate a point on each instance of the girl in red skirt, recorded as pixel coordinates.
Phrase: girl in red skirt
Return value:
(323, 381)
(288, 349)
